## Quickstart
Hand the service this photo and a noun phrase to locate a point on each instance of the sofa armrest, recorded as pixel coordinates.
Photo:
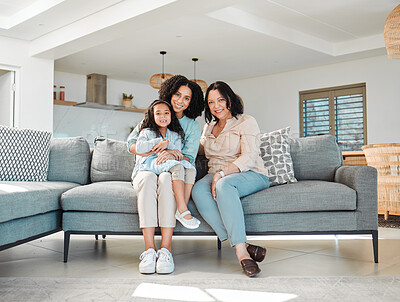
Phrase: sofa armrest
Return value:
(362, 179)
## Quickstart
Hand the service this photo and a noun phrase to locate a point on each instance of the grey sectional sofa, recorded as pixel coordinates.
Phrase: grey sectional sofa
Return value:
(328, 198)
(30, 210)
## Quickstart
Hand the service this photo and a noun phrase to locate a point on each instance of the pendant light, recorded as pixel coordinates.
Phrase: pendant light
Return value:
(157, 79)
(201, 83)
(392, 34)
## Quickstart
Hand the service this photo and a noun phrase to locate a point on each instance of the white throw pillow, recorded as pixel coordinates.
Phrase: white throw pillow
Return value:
(275, 152)
(24, 154)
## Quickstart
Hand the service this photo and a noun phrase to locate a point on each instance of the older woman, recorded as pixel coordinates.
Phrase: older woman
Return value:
(230, 141)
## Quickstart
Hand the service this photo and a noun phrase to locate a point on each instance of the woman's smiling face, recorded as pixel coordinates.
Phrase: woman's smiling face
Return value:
(180, 100)
(218, 105)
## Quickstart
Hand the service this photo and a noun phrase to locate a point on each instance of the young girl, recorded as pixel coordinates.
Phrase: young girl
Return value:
(161, 130)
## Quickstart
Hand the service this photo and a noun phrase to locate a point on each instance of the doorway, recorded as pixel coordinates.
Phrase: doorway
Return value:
(7, 97)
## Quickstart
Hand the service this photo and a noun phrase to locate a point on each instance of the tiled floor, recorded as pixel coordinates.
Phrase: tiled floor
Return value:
(198, 257)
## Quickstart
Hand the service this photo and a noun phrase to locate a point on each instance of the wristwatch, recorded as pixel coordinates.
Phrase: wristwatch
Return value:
(221, 172)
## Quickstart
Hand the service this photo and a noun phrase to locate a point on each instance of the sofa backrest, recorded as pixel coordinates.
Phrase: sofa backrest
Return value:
(315, 157)
(111, 161)
(69, 160)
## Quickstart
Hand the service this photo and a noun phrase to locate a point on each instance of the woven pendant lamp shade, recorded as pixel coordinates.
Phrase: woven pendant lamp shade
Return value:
(392, 34)
(201, 83)
(157, 79)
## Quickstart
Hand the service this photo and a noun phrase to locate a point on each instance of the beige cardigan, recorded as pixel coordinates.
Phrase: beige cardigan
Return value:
(238, 143)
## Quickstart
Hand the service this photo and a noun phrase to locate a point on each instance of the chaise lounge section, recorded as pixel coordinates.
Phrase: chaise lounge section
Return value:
(31, 209)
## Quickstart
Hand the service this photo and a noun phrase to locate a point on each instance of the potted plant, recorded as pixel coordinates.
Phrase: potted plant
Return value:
(127, 100)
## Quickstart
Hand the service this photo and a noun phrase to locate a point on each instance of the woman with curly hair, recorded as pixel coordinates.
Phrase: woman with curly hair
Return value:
(155, 194)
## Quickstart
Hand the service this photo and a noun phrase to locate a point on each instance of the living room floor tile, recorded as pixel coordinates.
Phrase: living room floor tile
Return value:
(317, 265)
(198, 257)
(299, 243)
(362, 250)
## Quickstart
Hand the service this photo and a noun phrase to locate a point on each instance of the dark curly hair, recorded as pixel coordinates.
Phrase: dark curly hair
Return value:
(150, 123)
(171, 86)
(233, 102)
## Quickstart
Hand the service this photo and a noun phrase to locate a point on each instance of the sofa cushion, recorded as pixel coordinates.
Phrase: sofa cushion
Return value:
(22, 199)
(315, 157)
(69, 160)
(323, 221)
(275, 152)
(24, 154)
(303, 196)
(111, 161)
(108, 196)
(118, 222)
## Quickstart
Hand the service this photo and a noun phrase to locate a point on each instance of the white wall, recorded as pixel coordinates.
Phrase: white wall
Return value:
(34, 84)
(88, 122)
(274, 100)
(6, 99)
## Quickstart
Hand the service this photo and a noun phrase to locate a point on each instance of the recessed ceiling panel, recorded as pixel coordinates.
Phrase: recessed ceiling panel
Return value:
(58, 16)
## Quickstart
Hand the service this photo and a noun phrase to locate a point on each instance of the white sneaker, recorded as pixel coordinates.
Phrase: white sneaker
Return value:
(192, 223)
(165, 262)
(148, 263)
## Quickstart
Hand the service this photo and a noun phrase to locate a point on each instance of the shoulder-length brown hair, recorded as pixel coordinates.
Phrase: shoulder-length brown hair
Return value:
(233, 101)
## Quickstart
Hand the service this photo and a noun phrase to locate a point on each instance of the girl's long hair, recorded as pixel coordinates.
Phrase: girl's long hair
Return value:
(150, 123)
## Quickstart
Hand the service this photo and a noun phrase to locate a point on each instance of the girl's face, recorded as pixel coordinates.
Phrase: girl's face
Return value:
(162, 115)
(218, 105)
(180, 100)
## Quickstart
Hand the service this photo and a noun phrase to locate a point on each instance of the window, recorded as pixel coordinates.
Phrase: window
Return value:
(339, 111)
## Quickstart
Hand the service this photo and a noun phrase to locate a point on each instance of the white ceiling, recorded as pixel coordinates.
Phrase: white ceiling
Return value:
(232, 39)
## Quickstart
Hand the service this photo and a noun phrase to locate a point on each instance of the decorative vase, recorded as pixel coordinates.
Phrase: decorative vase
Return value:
(127, 102)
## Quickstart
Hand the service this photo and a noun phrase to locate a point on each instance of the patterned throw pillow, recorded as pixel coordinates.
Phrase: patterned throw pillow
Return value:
(24, 154)
(275, 152)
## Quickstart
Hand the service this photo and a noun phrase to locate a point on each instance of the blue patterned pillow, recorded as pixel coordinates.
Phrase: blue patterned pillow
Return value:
(275, 152)
(24, 154)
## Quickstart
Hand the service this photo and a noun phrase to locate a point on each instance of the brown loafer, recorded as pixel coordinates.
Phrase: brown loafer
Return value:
(257, 253)
(250, 267)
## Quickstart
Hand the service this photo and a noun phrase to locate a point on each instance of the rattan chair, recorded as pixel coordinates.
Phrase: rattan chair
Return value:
(386, 159)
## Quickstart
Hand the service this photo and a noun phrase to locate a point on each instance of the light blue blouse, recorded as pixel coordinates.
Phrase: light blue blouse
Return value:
(146, 141)
(190, 145)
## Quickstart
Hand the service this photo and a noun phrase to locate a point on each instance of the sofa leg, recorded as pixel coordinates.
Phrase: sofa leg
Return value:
(66, 245)
(96, 236)
(103, 236)
(218, 243)
(375, 245)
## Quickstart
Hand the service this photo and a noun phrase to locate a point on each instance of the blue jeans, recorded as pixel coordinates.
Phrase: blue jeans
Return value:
(225, 215)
